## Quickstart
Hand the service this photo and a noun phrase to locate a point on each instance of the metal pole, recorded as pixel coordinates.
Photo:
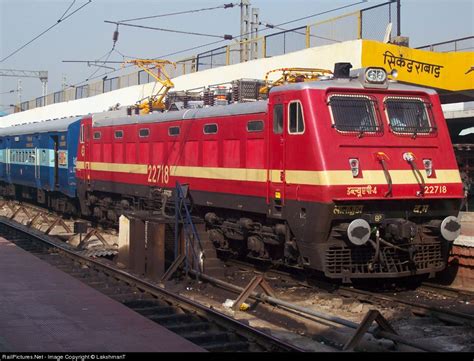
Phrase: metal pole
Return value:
(254, 34)
(398, 18)
(19, 88)
(244, 24)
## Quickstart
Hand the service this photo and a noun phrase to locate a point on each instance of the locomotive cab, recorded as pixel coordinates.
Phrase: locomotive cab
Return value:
(367, 177)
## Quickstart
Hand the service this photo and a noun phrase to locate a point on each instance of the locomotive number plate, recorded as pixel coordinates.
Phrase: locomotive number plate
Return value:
(158, 173)
(436, 189)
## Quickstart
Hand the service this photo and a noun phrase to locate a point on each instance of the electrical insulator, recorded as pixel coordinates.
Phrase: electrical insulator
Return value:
(206, 95)
(235, 92)
(185, 100)
(115, 37)
(211, 99)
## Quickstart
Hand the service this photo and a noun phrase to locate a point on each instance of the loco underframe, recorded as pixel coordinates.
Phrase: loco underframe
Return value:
(405, 235)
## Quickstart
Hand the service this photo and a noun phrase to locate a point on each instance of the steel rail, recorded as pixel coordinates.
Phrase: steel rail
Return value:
(306, 311)
(223, 320)
(417, 308)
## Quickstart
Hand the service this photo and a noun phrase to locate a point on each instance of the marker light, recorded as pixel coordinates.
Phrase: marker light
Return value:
(428, 167)
(354, 163)
(375, 75)
(409, 157)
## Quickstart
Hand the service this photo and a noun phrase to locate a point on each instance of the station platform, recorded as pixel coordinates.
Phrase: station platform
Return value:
(461, 261)
(45, 310)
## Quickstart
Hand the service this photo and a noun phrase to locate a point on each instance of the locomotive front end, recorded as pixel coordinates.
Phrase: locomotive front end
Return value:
(393, 188)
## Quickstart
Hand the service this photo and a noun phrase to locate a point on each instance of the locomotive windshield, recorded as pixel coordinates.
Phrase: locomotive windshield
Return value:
(408, 115)
(355, 114)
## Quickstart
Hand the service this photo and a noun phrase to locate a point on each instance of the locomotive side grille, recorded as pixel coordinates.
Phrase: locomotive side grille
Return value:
(359, 261)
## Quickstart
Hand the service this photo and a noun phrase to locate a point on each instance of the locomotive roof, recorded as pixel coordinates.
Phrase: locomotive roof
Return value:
(354, 83)
(55, 125)
(186, 114)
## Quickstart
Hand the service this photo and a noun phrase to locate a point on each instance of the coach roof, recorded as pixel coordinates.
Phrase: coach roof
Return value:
(186, 114)
(46, 126)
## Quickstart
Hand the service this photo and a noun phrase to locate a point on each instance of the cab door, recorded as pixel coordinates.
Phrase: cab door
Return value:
(276, 155)
(85, 149)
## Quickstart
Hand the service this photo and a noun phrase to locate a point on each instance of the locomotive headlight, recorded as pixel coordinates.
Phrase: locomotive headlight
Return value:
(358, 231)
(450, 228)
(375, 75)
(354, 164)
(428, 163)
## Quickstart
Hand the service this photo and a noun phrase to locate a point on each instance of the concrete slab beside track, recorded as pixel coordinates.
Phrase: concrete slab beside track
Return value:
(45, 310)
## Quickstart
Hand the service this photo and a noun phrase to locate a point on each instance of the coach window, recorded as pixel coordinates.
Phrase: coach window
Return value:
(81, 136)
(210, 129)
(144, 132)
(255, 126)
(278, 119)
(295, 118)
(97, 135)
(118, 134)
(173, 131)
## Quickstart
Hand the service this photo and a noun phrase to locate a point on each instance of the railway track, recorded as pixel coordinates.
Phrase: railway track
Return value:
(190, 319)
(413, 315)
(418, 307)
(205, 327)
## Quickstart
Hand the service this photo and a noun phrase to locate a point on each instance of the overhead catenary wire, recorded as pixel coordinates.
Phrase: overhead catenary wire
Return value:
(70, 6)
(224, 6)
(62, 19)
(322, 13)
(10, 91)
(227, 37)
(235, 37)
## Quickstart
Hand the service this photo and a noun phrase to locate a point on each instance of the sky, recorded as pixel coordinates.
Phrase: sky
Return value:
(85, 36)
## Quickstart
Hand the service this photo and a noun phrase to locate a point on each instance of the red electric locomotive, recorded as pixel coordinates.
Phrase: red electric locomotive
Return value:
(354, 176)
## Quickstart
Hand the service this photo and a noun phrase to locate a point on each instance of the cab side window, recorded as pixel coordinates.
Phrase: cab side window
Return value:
(278, 119)
(295, 118)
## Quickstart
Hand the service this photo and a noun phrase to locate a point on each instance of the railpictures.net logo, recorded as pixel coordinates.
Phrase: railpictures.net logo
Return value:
(62, 357)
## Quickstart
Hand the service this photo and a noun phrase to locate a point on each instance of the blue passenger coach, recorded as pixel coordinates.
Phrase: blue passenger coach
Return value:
(38, 162)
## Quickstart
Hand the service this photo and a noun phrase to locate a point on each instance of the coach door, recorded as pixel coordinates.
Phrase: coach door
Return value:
(85, 149)
(8, 159)
(37, 160)
(276, 155)
(3, 161)
(55, 146)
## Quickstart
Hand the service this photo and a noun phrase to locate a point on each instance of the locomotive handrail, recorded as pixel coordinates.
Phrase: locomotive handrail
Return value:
(381, 157)
(410, 158)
